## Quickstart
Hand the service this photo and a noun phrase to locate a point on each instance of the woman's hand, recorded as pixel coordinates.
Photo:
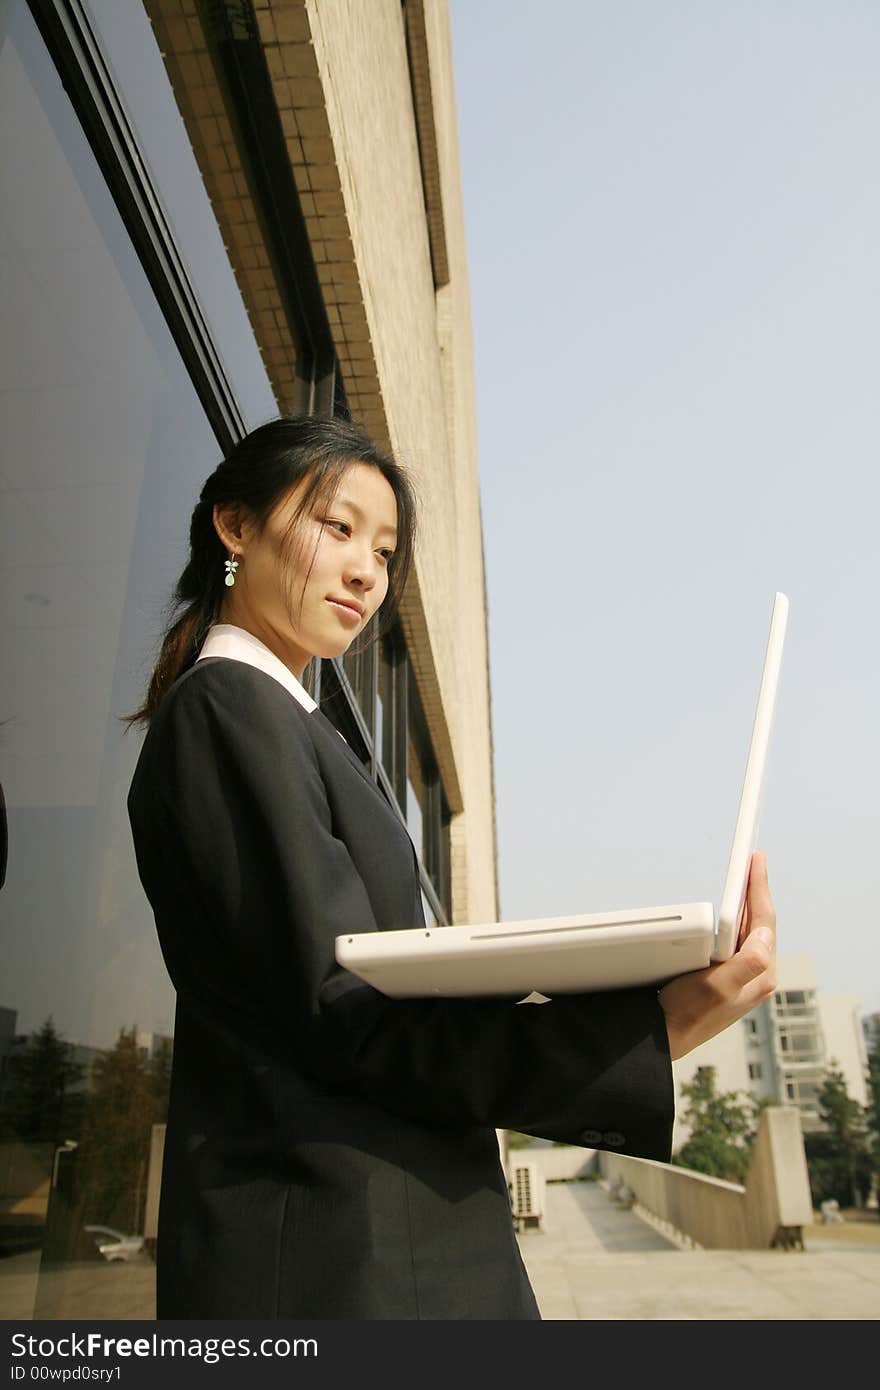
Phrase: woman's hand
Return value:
(705, 1002)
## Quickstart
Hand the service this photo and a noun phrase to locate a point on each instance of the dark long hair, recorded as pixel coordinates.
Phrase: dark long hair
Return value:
(257, 475)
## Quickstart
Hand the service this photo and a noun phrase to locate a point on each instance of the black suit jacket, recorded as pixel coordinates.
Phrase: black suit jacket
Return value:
(330, 1152)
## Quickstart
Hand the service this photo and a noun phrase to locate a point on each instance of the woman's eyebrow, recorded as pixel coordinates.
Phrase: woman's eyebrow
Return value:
(353, 507)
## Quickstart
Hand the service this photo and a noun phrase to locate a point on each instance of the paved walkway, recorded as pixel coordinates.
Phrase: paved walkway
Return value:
(594, 1261)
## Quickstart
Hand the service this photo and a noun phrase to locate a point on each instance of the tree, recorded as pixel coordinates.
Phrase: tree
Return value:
(722, 1128)
(129, 1095)
(43, 1105)
(873, 1111)
(838, 1155)
(160, 1079)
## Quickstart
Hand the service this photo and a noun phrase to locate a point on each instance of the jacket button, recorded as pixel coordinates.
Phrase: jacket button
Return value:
(591, 1136)
(613, 1138)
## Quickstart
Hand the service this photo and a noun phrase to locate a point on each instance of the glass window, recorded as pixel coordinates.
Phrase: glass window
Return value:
(336, 704)
(359, 667)
(756, 1071)
(415, 795)
(129, 43)
(381, 683)
(107, 447)
(427, 811)
(391, 713)
(379, 724)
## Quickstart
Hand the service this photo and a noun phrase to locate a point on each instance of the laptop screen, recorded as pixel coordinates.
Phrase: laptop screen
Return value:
(746, 833)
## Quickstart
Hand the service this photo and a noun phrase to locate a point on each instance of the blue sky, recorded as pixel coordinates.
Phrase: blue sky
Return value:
(673, 228)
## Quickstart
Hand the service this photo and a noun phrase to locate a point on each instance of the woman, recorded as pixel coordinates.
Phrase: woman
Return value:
(330, 1152)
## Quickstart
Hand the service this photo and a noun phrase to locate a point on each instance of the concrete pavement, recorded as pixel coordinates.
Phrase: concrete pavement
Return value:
(594, 1261)
(591, 1262)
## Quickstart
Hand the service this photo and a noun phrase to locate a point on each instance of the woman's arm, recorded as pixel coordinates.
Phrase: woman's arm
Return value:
(249, 831)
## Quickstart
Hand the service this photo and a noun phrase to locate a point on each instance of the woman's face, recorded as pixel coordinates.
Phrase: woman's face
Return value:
(355, 536)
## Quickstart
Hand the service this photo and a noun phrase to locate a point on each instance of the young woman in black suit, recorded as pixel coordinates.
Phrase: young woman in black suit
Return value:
(330, 1152)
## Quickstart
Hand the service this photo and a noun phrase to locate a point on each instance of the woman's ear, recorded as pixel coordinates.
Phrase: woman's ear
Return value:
(231, 525)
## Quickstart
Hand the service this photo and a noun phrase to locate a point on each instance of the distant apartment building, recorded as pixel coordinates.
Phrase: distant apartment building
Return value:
(782, 1050)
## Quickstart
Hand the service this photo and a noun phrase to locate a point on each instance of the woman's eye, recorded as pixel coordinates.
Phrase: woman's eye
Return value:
(328, 521)
(386, 555)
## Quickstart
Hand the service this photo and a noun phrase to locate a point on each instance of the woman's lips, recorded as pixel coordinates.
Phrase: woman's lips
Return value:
(349, 614)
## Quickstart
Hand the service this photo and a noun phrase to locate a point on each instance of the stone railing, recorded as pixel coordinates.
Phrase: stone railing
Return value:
(697, 1210)
(768, 1212)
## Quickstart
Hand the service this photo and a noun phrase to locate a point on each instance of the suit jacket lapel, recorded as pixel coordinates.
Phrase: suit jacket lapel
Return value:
(346, 748)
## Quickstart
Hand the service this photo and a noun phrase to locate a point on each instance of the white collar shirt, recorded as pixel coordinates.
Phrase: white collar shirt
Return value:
(226, 639)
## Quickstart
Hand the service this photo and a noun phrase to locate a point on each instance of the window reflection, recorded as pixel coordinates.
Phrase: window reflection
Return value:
(107, 447)
(392, 684)
(359, 668)
(415, 791)
(379, 726)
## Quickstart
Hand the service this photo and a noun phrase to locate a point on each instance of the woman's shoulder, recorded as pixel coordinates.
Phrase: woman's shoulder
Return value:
(234, 695)
(224, 714)
(213, 676)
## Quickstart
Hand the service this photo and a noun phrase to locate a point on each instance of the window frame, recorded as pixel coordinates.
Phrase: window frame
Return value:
(333, 685)
(74, 46)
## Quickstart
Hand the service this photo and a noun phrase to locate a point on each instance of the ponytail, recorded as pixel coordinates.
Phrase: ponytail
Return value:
(195, 605)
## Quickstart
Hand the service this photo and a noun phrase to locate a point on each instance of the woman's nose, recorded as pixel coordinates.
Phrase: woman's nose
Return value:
(361, 569)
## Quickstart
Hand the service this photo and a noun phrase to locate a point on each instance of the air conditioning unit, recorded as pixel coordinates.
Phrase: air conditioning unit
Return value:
(526, 1187)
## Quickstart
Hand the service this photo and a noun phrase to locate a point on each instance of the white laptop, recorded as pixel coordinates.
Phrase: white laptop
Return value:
(590, 951)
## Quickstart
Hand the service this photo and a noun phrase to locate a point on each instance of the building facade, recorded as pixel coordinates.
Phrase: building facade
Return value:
(213, 212)
(782, 1050)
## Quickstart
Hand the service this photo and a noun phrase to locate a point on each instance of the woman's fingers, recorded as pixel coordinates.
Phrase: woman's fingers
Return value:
(757, 949)
(754, 957)
(701, 1004)
(760, 903)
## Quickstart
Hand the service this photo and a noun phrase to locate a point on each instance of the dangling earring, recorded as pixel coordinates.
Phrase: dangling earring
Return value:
(231, 567)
